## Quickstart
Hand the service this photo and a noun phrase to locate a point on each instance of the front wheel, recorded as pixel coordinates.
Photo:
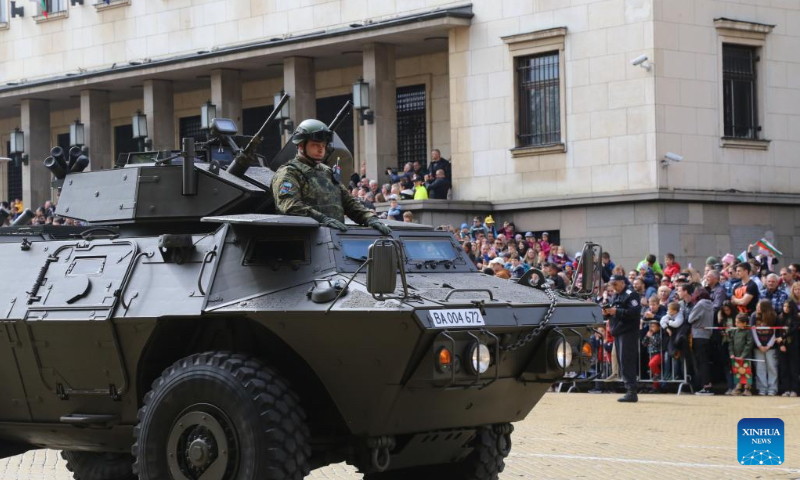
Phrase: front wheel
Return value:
(491, 446)
(221, 416)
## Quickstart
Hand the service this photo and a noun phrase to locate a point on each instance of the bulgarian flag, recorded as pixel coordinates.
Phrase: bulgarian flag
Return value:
(44, 8)
(765, 245)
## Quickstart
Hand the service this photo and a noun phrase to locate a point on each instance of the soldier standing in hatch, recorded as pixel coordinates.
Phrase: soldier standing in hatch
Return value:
(624, 313)
(305, 186)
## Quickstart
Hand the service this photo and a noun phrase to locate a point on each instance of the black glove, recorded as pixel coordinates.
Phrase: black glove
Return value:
(333, 223)
(379, 226)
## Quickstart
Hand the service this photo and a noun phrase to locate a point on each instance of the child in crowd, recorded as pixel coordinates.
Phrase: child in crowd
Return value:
(408, 217)
(672, 323)
(740, 348)
(652, 341)
(395, 212)
(764, 338)
(517, 268)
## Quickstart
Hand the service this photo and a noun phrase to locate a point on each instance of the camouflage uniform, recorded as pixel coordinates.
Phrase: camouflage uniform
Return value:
(302, 188)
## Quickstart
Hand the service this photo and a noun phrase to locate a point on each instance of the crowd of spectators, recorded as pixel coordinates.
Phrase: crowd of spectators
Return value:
(43, 215)
(414, 182)
(735, 320)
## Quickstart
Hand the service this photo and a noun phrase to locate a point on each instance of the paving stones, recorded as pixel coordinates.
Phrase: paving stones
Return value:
(591, 436)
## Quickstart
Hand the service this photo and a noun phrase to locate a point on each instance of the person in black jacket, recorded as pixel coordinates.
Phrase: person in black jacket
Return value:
(438, 188)
(439, 163)
(624, 314)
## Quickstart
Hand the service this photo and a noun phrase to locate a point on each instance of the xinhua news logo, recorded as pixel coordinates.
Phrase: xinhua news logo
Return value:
(760, 441)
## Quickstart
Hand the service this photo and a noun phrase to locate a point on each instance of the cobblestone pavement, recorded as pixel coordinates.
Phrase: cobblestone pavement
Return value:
(592, 436)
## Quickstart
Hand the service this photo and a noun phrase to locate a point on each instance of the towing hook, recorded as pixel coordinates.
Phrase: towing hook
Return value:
(379, 452)
(503, 432)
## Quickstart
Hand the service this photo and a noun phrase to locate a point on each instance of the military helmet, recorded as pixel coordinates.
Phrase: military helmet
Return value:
(312, 129)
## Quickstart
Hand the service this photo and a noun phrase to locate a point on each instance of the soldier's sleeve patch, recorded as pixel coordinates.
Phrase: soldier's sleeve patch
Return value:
(287, 188)
(634, 303)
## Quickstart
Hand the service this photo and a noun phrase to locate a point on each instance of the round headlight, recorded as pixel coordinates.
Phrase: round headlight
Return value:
(563, 354)
(479, 357)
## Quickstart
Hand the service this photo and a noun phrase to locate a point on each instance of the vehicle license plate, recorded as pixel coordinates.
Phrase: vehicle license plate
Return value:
(469, 317)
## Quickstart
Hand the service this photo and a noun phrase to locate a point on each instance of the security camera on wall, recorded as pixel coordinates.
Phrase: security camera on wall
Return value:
(670, 158)
(641, 61)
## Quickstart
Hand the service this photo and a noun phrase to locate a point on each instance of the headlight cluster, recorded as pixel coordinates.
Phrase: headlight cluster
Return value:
(563, 353)
(478, 357)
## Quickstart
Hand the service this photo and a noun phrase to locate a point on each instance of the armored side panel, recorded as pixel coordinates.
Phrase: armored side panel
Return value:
(144, 193)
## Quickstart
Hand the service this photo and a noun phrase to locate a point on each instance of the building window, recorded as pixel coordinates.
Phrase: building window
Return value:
(53, 6)
(124, 142)
(539, 91)
(739, 91)
(539, 106)
(191, 127)
(3, 11)
(14, 176)
(412, 140)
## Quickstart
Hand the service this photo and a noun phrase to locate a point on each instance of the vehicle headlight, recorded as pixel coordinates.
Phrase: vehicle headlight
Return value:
(563, 353)
(480, 358)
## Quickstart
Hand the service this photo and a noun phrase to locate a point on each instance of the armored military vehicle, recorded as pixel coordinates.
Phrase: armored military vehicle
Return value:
(188, 332)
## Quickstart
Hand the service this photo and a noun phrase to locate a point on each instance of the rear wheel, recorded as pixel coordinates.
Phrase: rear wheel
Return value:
(220, 416)
(490, 448)
(99, 466)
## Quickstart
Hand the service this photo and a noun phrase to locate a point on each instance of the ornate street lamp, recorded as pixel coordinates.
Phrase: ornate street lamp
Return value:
(361, 101)
(208, 112)
(286, 124)
(77, 134)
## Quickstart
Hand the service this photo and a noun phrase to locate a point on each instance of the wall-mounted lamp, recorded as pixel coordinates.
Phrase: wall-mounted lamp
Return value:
(17, 147)
(208, 112)
(361, 101)
(77, 134)
(139, 122)
(17, 11)
(286, 124)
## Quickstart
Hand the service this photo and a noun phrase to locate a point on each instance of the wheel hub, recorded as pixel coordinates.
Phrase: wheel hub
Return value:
(202, 444)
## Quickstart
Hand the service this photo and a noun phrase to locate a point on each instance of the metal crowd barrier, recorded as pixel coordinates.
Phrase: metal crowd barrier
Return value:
(604, 370)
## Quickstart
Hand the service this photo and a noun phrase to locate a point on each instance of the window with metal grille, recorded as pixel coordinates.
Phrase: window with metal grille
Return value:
(52, 6)
(538, 102)
(252, 119)
(412, 140)
(191, 127)
(739, 91)
(14, 171)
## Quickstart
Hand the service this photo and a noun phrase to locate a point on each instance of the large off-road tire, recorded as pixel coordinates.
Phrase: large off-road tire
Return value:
(223, 415)
(485, 462)
(99, 466)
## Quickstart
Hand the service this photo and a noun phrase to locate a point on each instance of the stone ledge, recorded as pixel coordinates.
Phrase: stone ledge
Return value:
(748, 143)
(519, 152)
(651, 195)
(102, 6)
(51, 16)
(4, 25)
(743, 26)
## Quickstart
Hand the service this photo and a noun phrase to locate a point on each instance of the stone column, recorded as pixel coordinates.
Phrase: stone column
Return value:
(96, 118)
(226, 94)
(160, 110)
(300, 83)
(35, 122)
(381, 136)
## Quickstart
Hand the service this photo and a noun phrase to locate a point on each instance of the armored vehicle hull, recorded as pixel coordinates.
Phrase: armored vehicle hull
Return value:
(94, 326)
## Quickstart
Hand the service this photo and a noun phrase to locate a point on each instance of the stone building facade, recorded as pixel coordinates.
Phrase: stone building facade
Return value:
(536, 102)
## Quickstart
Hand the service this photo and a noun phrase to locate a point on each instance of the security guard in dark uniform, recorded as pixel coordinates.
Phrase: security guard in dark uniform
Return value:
(624, 313)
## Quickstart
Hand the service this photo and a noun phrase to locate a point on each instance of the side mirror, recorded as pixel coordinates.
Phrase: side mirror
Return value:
(223, 126)
(588, 268)
(382, 268)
